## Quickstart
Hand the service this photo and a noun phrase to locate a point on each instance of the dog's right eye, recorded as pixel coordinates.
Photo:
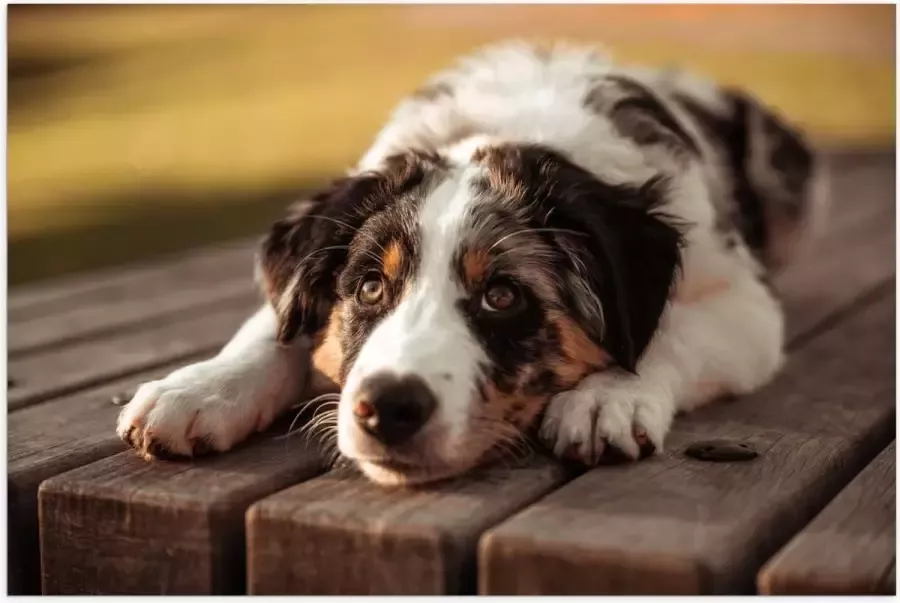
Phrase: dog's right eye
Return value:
(371, 289)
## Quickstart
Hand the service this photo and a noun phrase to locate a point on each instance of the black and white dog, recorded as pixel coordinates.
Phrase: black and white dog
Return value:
(540, 238)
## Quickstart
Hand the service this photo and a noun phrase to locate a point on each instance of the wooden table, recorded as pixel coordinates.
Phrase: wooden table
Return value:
(813, 513)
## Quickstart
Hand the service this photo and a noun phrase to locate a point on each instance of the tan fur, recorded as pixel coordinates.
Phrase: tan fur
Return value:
(327, 358)
(392, 260)
(515, 408)
(582, 356)
(475, 265)
(503, 165)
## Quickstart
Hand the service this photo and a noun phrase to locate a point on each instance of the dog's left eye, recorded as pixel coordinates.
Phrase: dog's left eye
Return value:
(502, 296)
(371, 290)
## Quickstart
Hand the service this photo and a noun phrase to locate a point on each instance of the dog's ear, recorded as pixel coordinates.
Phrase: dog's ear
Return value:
(299, 261)
(299, 257)
(623, 261)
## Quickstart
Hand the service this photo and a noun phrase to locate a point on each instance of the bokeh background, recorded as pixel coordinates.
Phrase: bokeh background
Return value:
(135, 131)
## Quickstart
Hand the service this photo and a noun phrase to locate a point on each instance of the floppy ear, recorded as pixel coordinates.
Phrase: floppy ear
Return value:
(622, 266)
(301, 257)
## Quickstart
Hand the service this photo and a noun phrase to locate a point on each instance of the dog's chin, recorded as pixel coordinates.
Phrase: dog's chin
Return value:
(388, 474)
(391, 474)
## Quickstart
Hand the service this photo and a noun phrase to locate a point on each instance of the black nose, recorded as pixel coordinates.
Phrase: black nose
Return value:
(391, 408)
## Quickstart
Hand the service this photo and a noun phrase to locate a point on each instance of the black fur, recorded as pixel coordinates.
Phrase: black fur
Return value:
(623, 250)
(786, 164)
(639, 114)
(314, 243)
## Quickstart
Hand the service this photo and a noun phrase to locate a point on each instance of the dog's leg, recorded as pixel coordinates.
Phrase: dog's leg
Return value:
(721, 339)
(217, 403)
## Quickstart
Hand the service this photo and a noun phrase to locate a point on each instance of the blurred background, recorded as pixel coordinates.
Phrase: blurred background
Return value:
(135, 131)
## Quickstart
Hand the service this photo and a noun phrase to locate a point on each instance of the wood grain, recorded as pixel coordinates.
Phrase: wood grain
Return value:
(341, 534)
(208, 265)
(101, 318)
(122, 525)
(67, 368)
(674, 525)
(855, 252)
(49, 439)
(849, 548)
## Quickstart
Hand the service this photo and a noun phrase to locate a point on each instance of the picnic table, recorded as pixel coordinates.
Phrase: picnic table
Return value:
(812, 513)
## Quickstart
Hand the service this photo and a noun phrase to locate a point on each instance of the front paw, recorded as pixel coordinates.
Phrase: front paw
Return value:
(184, 415)
(607, 412)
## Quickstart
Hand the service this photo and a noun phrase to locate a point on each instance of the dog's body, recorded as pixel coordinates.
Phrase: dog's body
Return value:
(538, 231)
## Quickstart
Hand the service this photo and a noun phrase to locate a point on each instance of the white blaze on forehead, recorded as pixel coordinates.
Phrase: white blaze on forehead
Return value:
(426, 334)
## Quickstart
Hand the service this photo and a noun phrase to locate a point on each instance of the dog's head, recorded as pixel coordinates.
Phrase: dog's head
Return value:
(456, 296)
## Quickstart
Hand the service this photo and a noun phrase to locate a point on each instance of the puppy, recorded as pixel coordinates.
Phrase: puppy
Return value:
(537, 238)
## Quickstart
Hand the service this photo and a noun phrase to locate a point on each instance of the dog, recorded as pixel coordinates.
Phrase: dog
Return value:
(539, 241)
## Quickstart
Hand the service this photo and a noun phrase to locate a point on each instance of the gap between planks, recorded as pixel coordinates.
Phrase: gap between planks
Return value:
(53, 373)
(133, 296)
(849, 548)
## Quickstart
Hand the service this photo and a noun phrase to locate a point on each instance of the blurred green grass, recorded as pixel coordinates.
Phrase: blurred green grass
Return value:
(138, 130)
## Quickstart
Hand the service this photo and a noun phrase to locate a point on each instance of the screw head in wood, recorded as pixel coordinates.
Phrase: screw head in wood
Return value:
(721, 451)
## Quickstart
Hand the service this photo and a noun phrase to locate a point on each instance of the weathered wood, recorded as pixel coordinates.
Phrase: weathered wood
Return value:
(858, 243)
(55, 372)
(341, 534)
(122, 525)
(849, 548)
(104, 317)
(208, 265)
(49, 439)
(677, 525)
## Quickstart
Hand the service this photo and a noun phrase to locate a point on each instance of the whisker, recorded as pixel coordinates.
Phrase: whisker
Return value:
(354, 229)
(326, 397)
(530, 230)
(329, 248)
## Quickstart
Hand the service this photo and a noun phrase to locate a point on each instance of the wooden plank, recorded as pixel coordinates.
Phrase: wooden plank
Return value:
(103, 317)
(849, 548)
(677, 525)
(54, 372)
(95, 306)
(125, 526)
(859, 243)
(208, 265)
(49, 439)
(341, 534)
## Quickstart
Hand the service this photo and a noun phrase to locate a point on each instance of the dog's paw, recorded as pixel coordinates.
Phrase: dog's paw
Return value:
(193, 411)
(606, 413)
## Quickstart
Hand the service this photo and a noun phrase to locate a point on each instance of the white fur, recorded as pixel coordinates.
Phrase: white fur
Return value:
(425, 334)
(727, 343)
(224, 399)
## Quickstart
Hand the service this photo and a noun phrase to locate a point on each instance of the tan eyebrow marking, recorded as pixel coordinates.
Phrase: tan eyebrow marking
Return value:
(475, 266)
(392, 259)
